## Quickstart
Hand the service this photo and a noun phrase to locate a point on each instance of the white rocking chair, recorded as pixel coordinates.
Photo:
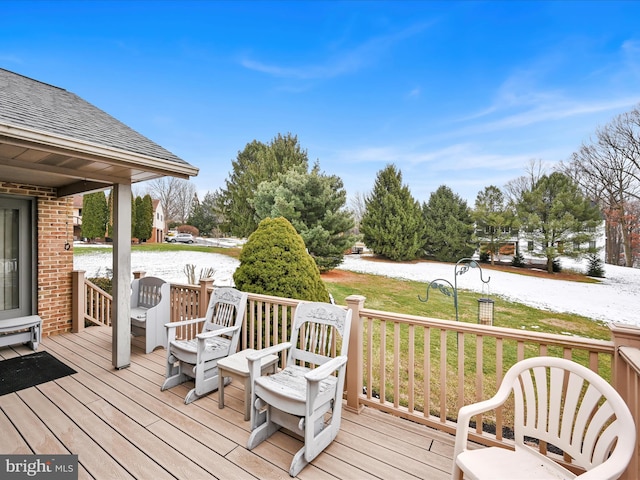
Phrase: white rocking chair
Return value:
(150, 310)
(197, 358)
(299, 397)
(559, 402)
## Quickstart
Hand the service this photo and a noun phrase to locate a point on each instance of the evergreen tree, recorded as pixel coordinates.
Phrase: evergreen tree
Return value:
(133, 214)
(95, 215)
(557, 216)
(258, 162)
(314, 203)
(493, 220)
(136, 214)
(449, 227)
(595, 266)
(392, 224)
(144, 218)
(274, 261)
(204, 216)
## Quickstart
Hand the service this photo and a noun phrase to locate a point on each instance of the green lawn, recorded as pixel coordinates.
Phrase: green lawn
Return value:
(401, 296)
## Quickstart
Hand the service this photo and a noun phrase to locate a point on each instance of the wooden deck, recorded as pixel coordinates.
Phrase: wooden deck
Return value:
(121, 425)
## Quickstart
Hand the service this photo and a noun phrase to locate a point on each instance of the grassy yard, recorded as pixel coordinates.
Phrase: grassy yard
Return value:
(393, 295)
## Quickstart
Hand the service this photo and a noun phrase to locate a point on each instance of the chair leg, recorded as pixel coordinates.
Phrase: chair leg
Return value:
(206, 382)
(298, 463)
(261, 433)
(174, 375)
(174, 380)
(191, 396)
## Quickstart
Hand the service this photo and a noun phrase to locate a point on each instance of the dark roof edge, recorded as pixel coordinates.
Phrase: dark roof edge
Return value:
(32, 79)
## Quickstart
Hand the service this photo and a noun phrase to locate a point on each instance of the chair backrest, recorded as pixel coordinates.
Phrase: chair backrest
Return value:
(316, 329)
(227, 307)
(147, 292)
(572, 408)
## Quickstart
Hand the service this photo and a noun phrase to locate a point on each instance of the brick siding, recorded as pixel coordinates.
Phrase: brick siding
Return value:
(54, 229)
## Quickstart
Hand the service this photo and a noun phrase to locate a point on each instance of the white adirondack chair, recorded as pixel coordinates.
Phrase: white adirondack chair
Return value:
(299, 397)
(150, 310)
(559, 402)
(197, 358)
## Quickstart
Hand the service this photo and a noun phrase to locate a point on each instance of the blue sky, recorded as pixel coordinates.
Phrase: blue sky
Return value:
(464, 94)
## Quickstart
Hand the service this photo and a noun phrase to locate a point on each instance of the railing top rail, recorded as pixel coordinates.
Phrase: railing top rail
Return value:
(632, 357)
(185, 286)
(95, 287)
(289, 302)
(602, 346)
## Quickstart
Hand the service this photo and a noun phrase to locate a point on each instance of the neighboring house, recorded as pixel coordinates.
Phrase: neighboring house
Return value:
(77, 217)
(159, 225)
(54, 145)
(513, 240)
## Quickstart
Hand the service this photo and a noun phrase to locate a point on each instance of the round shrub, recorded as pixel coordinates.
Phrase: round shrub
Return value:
(274, 261)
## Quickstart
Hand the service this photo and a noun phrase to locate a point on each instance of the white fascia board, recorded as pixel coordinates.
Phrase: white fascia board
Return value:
(92, 150)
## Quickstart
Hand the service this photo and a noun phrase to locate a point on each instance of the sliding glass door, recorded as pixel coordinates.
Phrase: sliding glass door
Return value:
(17, 279)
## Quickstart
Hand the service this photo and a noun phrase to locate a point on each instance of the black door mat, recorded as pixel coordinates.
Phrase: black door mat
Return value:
(29, 370)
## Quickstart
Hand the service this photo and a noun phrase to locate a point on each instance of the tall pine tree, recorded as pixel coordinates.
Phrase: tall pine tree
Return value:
(392, 224)
(95, 215)
(449, 227)
(144, 218)
(314, 203)
(258, 162)
(557, 217)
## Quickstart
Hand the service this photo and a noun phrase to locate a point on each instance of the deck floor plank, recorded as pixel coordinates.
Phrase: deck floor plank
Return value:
(14, 419)
(125, 452)
(121, 425)
(98, 461)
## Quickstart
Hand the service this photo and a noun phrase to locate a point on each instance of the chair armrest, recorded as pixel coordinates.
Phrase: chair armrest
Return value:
(323, 371)
(468, 411)
(215, 333)
(253, 359)
(272, 350)
(184, 323)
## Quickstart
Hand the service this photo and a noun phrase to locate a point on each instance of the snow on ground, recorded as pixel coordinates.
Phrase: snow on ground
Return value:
(615, 299)
(166, 265)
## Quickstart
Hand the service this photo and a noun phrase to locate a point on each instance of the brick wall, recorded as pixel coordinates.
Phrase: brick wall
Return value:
(54, 229)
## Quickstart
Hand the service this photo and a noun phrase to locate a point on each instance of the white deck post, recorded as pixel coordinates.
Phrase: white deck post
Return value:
(121, 315)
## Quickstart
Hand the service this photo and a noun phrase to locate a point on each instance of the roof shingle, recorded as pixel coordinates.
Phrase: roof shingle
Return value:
(35, 105)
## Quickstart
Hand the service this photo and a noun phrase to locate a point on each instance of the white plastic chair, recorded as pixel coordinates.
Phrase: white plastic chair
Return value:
(150, 310)
(299, 397)
(197, 358)
(559, 402)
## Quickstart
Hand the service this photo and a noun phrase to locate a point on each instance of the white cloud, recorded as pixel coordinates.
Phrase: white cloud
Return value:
(9, 58)
(415, 92)
(345, 62)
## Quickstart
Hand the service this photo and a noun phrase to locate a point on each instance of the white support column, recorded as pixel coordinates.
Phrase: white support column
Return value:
(121, 312)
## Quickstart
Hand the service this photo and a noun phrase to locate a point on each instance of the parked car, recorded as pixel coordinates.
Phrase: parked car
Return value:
(183, 238)
(169, 235)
